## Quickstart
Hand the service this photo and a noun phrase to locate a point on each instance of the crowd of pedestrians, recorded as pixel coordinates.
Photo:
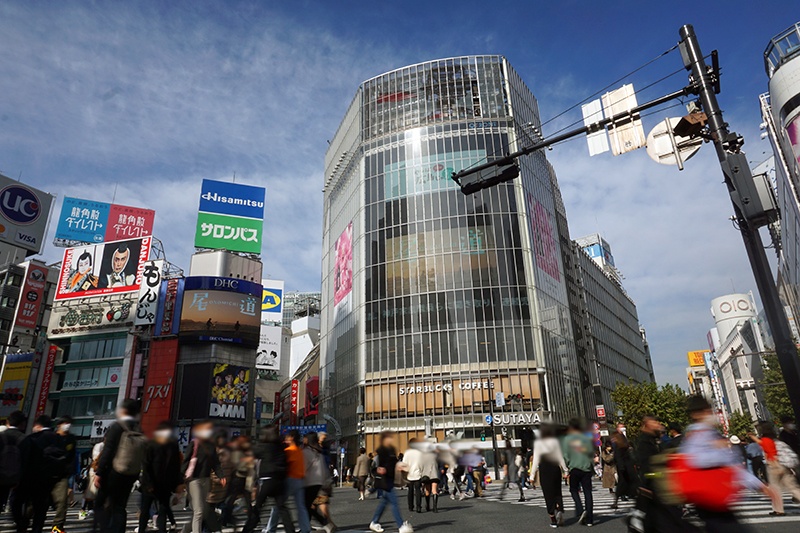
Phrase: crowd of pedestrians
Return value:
(230, 482)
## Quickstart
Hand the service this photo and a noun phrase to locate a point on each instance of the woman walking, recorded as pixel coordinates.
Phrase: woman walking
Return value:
(361, 472)
(780, 460)
(200, 461)
(317, 475)
(609, 468)
(548, 461)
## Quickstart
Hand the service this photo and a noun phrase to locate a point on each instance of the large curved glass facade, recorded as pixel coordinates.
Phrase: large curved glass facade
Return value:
(455, 297)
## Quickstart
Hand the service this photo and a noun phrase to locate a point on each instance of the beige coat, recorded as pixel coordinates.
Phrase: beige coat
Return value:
(609, 470)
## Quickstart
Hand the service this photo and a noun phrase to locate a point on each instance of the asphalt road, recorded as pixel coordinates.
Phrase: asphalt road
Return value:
(474, 515)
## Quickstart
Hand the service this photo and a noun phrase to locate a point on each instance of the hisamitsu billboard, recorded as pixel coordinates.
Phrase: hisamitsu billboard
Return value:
(233, 199)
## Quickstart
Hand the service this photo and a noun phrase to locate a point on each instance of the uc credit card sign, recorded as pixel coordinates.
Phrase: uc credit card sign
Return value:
(233, 199)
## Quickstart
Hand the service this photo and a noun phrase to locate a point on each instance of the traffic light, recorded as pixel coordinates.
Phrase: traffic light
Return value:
(488, 177)
(483, 436)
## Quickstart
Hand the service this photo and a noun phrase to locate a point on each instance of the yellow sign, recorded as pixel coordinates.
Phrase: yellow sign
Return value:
(697, 357)
(271, 300)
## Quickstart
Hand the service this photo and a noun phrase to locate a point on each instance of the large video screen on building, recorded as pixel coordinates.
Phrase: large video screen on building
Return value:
(221, 310)
(100, 269)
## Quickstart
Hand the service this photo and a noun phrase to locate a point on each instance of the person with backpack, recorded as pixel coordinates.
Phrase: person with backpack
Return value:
(118, 468)
(781, 464)
(385, 473)
(60, 492)
(272, 471)
(41, 457)
(161, 476)
(10, 458)
(199, 462)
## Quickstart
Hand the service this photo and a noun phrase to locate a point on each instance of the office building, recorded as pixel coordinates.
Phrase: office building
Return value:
(434, 302)
(780, 108)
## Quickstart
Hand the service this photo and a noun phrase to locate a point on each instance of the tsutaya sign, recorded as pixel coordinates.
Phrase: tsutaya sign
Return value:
(518, 419)
(445, 387)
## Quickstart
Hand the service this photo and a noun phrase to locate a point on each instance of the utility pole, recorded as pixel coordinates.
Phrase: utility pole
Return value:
(747, 208)
(494, 435)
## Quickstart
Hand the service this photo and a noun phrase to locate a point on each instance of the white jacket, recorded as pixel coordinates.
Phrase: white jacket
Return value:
(413, 460)
(547, 449)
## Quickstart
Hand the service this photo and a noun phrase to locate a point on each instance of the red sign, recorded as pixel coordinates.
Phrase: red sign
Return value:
(295, 394)
(601, 411)
(32, 296)
(47, 379)
(125, 222)
(157, 395)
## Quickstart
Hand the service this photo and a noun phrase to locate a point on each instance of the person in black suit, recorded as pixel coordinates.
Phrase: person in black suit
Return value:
(161, 475)
(42, 459)
(11, 437)
(113, 488)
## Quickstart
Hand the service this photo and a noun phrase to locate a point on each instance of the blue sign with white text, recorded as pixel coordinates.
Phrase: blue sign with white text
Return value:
(232, 199)
(83, 220)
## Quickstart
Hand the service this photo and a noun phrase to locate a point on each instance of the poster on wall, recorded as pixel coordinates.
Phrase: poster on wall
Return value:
(312, 396)
(101, 269)
(343, 273)
(544, 243)
(268, 356)
(793, 132)
(229, 389)
(147, 303)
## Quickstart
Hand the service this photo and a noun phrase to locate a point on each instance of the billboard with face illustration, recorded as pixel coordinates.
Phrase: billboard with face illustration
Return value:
(100, 269)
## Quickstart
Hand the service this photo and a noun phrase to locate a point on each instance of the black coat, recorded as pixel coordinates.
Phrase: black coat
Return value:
(34, 469)
(207, 460)
(105, 465)
(161, 471)
(272, 459)
(387, 458)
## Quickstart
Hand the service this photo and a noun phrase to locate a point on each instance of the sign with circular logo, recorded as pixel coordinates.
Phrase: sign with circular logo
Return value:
(19, 204)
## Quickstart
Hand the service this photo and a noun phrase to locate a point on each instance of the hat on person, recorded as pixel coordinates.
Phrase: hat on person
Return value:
(735, 440)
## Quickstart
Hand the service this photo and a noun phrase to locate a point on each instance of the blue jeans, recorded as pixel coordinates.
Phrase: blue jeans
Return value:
(470, 481)
(296, 489)
(388, 497)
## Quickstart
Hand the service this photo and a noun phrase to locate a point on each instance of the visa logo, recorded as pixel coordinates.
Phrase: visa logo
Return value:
(270, 301)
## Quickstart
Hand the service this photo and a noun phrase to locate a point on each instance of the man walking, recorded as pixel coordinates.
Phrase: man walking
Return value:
(60, 492)
(118, 469)
(579, 457)
(10, 460)
(40, 455)
(295, 474)
(384, 480)
(413, 460)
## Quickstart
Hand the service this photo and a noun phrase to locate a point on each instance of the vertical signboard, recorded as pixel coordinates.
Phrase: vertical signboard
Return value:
(343, 273)
(24, 213)
(169, 308)
(271, 301)
(47, 378)
(159, 383)
(147, 303)
(295, 393)
(32, 296)
(268, 356)
(231, 217)
(14, 388)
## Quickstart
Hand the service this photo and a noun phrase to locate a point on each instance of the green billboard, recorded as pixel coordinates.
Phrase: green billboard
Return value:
(225, 232)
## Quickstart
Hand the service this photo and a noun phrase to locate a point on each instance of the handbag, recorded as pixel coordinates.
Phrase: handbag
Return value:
(187, 475)
(713, 489)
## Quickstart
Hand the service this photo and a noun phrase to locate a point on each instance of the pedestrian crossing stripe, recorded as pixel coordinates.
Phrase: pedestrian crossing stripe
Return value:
(752, 508)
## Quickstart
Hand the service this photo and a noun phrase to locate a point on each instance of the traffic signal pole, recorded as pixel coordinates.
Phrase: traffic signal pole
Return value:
(738, 179)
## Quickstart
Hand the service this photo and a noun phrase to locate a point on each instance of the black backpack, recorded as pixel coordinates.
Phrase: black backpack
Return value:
(54, 460)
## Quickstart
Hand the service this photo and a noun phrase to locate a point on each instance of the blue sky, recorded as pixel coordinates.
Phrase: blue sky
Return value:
(151, 97)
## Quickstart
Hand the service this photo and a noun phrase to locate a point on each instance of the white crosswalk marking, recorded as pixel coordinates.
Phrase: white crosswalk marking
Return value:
(752, 508)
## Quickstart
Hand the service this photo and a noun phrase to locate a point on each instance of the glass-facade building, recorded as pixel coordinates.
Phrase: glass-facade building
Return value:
(433, 301)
